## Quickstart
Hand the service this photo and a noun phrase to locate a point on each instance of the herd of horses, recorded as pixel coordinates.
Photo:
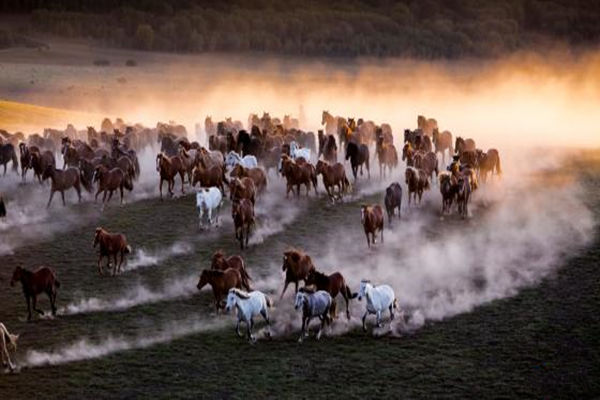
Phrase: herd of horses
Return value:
(239, 161)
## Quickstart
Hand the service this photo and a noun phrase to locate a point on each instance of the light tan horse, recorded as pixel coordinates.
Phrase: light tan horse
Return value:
(7, 338)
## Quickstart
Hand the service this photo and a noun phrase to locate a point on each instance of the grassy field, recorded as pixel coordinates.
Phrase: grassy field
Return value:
(541, 343)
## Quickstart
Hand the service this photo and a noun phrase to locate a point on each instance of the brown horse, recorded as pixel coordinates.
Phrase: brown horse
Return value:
(428, 162)
(463, 193)
(442, 142)
(393, 200)
(333, 284)
(487, 163)
(469, 157)
(462, 145)
(111, 244)
(417, 182)
(242, 189)
(8, 153)
(168, 168)
(41, 280)
(61, 181)
(386, 155)
(109, 181)
(298, 173)
(256, 174)
(448, 191)
(242, 212)
(208, 177)
(221, 282)
(408, 154)
(221, 263)
(40, 162)
(25, 155)
(372, 221)
(328, 147)
(297, 266)
(333, 175)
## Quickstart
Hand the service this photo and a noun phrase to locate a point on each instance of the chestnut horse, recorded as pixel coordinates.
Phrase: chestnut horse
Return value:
(41, 280)
(111, 244)
(487, 163)
(257, 174)
(168, 168)
(333, 175)
(372, 221)
(242, 213)
(109, 181)
(333, 284)
(297, 266)
(61, 181)
(221, 282)
(427, 162)
(408, 154)
(417, 182)
(209, 177)
(39, 163)
(298, 173)
(242, 189)
(386, 155)
(221, 263)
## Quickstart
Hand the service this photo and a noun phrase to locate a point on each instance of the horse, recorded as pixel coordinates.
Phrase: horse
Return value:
(371, 218)
(386, 155)
(109, 181)
(313, 304)
(297, 152)
(249, 144)
(61, 181)
(427, 125)
(6, 336)
(469, 157)
(221, 282)
(257, 174)
(43, 279)
(463, 193)
(333, 284)
(442, 142)
(488, 162)
(393, 200)
(417, 182)
(220, 262)
(111, 244)
(234, 158)
(296, 174)
(462, 145)
(213, 176)
(358, 154)
(327, 147)
(7, 154)
(448, 191)
(168, 168)
(209, 158)
(69, 153)
(25, 156)
(207, 200)
(333, 175)
(242, 189)
(427, 162)
(242, 213)
(248, 305)
(331, 123)
(296, 265)
(379, 298)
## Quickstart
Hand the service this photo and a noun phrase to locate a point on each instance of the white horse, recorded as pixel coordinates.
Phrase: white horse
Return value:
(234, 158)
(248, 306)
(5, 337)
(296, 152)
(314, 304)
(379, 298)
(207, 200)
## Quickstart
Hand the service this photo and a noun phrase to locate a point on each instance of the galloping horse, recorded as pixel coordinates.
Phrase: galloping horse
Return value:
(111, 244)
(358, 154)
(257, 174)
(242, 213)
(417, 182)
(442, 142)
(379, 298)
(207, 200)
(296, 265)
(41, 280)
(448, 191)
(333, 284)
(61, 181)
(168, 168)
(221, 282)
(6, 336)
(248, 305)
(298, 173)
(313, 304)
(220, 262)
(333, 175)
(393, 200)
(109, 181)
(487, 163)
(386, 155)
(8, 153)
(372, 221)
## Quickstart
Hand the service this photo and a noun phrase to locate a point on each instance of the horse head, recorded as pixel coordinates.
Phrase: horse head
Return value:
(16, 276)
(365, 286)
(301, 299)
(97, 235)
(291, 258)
(204, 278)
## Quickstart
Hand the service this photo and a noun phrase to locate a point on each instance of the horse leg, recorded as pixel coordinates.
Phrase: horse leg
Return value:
(160, 188)
(121, 260)
(121, 189)
(237, 328)
(381, 232)
(250, 326)
(181, 175)
(110, 196)
(52, 307)
(302, 330)
(28, 300)
(323, 320)
(391, 313)
(364, 321)
(378, 318)
(115, 263)
(62, 194)
(50, 199)
(368, 239)
(247, 234)
(285, 285)
(34, 301)
(265, 315)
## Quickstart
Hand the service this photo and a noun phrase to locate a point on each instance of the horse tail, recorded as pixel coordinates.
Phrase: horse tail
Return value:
(128, 249)
(349, 293)
(395, 303)
(269, 301)
(498, 167)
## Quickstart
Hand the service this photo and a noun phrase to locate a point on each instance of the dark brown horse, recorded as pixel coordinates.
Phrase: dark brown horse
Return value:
(428, 162)
(33, 283)
(463, 193)
(386, 155)
(40, 162)
(111, 180)
(417, 182)
(242, 189)
(393, 200)
(242, 212)
(8, 153)
(327, 147)
(61, 181)
(25, 153)
(333, 175)
(296, 265)
(358, 154)
(333, 284)
(448, 190)
(257, 174)
(221, 263)
(168, 168)
(111, 244)
(221, 282)
(208, 177)
(298, 173)
(372, 221)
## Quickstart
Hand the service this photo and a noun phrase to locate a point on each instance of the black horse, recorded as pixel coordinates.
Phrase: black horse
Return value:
(358, 154)
(393, 199)
(249, 144)
(8, 153)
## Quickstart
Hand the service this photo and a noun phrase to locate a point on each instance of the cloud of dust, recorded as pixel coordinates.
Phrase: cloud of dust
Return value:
(147, 258)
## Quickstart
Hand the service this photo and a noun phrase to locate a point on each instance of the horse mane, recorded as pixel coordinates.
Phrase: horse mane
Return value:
(239, 293)
(307, 289)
